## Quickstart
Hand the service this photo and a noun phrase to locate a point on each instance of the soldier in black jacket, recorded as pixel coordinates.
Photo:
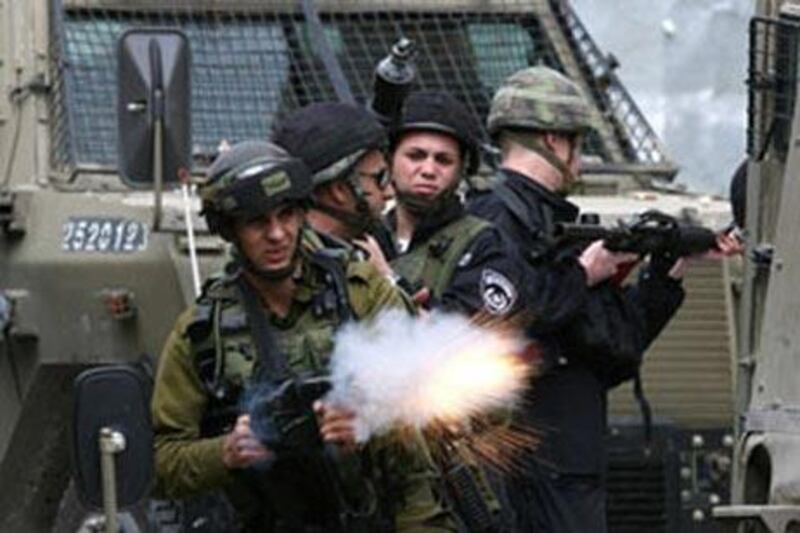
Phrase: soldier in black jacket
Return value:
(592, 333)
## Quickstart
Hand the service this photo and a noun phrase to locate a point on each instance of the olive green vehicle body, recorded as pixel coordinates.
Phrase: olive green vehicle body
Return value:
(766, 482)
(61, 287)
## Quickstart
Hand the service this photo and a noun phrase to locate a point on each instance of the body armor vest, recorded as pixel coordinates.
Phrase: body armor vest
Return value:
(431, 264)
(226, 356)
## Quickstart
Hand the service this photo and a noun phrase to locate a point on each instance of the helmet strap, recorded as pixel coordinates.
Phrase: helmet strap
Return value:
(270, 276)
(421, 207)
(530, 142)
(357, 223)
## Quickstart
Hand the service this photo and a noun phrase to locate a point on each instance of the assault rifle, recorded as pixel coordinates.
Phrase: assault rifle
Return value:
(649, 233)
(283, 417)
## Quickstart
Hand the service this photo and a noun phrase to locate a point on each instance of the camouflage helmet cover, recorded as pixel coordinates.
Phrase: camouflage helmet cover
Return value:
(541, 99)
(250, 179)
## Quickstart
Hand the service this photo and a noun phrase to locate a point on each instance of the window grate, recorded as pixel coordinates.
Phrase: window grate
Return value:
(254, 61)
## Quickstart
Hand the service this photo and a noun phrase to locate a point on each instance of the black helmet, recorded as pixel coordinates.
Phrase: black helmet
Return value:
(330, 137)
(250, 179)
(440, 112)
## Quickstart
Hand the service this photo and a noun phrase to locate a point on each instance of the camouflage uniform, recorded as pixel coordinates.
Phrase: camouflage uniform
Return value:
(210, 358)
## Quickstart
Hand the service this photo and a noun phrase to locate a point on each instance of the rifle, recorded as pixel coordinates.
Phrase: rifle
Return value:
(465, 487)
(463, 492)
(283, 419)
(649, 233)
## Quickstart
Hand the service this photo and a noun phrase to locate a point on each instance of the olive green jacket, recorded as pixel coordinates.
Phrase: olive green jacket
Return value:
(187, 464)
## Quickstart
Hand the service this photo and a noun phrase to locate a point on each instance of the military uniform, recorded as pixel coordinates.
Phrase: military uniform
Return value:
(590, 338)
(466, 262)
(230, 355)
(191, 382)
(332, 138)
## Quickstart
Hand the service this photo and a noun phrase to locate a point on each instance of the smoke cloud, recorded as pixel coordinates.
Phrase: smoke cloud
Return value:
(399, 371)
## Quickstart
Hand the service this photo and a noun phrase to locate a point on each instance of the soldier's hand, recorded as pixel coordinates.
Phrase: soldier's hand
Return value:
(241, 448)
(336, 425)
(376, 257)
(422, 297)
(728, 244)
(601, 263)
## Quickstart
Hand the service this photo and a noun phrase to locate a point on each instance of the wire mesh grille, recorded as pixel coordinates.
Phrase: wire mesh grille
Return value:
(253, 62)
(773, 83)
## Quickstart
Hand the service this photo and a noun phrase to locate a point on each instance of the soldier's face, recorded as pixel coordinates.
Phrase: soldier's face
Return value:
(370, 171)
(426, 163)
(270, 241)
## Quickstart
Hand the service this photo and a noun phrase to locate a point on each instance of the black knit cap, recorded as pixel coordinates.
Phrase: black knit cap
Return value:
(440, 112)
(322, 134)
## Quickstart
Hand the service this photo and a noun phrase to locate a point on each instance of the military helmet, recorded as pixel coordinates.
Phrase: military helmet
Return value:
(541, 99)
(439, 111)
(330, 137)
(250, 179)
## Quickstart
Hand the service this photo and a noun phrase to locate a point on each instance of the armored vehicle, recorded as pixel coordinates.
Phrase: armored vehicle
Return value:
(766, 477)
(93, 271)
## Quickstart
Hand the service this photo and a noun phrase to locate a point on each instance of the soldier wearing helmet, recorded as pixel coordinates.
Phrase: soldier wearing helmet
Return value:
(343, 145)
(463, 262)
(275, 311)
(591, 332)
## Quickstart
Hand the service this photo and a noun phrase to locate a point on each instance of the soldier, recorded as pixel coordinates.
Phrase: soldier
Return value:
(459, 262)
(592, 333)
(343, 145)
(274, 313)
(464, 262)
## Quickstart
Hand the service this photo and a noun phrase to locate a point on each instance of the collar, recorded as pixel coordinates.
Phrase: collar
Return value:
(532, 191)
(451, 211)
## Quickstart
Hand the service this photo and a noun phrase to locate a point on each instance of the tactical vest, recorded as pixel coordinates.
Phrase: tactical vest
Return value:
(433, 263)
(223, 345)
(225, 357)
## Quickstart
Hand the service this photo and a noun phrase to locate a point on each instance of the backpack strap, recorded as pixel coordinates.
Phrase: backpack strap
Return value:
(272, 366)
(335, 297)
(447, 249)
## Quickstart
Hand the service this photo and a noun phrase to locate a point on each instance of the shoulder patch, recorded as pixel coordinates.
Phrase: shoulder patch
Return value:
(498, 293)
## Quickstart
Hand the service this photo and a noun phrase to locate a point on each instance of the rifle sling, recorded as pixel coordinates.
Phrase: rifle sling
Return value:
(272, 365)
(644, 409)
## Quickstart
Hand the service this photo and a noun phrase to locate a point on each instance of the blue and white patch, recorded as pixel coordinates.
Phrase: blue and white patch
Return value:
(465, 260)
(498, 293)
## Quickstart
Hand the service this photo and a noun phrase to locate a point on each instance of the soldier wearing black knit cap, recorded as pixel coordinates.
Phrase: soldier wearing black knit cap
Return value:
(344, 146)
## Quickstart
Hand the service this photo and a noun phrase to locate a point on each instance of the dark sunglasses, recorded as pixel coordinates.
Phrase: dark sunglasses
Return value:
(382, 177)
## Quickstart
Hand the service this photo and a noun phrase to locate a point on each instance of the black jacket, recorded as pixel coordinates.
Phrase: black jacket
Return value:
(489, 251)
(591, 339)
